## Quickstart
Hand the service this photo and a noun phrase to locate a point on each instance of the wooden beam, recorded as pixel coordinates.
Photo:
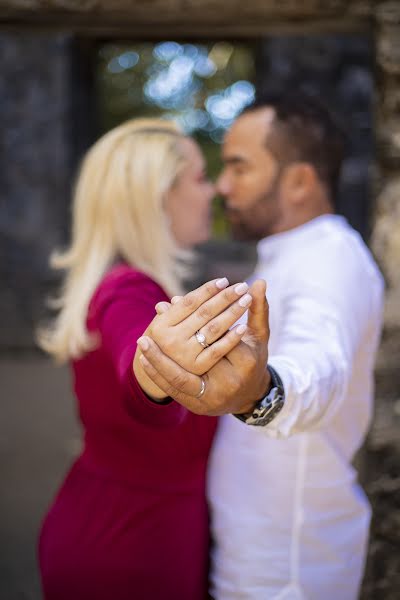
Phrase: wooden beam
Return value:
(156, 30)
(187, 18)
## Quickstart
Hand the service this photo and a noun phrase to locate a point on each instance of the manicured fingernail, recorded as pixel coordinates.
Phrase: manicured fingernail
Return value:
(143, 343)
(175, 299)
(241, 288)
(245, 300)
(144, 360)
(222, 283)
(162, 307)
(240, 329)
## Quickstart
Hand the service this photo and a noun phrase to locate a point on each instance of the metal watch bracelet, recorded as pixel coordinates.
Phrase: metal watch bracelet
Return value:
(269, 406)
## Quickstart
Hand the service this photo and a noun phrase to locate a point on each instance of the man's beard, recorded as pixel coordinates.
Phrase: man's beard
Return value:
(261, 216)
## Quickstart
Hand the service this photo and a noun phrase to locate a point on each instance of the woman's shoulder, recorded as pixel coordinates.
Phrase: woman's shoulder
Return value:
(122, 280)
(123, 274)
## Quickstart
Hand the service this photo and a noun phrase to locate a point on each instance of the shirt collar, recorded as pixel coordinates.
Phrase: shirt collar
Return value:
(268, 247)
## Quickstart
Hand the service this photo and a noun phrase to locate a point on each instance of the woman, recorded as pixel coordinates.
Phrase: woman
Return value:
(130, 520)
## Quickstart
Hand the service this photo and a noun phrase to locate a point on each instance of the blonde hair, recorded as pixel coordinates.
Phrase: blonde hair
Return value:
(117, 213)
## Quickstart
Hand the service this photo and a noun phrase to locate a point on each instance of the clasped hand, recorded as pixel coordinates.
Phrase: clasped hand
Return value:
(170, 361)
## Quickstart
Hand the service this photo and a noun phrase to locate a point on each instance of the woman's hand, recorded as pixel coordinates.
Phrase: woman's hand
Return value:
(209, 311)
(234, 384)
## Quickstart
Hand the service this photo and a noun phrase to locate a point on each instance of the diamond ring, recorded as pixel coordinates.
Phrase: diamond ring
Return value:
(201, 338)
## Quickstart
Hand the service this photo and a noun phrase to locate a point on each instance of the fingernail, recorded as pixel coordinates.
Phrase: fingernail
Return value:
(162, 307)
(222, 283)
(241, 288)
(144, 360)
(245, 300)
(240, 329)
(143, 343)
(175, 299)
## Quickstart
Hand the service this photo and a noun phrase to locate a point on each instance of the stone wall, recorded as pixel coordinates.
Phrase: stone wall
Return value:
(386, 238)
(42, 95)
(383, 448)
(35, 173)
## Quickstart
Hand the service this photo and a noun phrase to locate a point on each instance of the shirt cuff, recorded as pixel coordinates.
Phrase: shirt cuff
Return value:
(284, 424)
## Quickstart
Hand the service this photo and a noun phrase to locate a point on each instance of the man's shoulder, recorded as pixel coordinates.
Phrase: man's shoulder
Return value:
(340, 247)
(337, 267)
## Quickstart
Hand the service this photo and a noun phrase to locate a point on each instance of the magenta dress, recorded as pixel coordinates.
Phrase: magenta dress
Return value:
(130, 521)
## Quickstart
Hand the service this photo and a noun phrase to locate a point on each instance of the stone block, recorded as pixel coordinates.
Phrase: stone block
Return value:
(38, 121)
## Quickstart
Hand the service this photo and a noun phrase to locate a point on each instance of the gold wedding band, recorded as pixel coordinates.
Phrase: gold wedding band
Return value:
(203, 388)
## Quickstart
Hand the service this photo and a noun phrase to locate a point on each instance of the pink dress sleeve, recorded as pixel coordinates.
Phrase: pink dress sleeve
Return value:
(120, 311)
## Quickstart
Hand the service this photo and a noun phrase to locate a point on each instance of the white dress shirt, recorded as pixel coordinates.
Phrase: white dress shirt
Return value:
(289, 519)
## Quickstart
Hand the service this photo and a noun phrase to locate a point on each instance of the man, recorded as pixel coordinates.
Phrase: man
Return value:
(288, 516)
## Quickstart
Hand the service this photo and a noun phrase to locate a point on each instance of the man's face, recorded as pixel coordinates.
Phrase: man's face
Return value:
(250, 179)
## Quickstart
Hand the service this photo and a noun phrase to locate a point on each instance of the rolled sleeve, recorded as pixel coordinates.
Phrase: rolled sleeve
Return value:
(325, 318)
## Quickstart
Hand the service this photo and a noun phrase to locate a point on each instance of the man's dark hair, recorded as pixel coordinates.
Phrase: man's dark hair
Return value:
(305, 131)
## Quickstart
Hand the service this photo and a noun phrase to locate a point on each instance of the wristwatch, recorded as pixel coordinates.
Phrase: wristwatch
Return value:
(269, 406)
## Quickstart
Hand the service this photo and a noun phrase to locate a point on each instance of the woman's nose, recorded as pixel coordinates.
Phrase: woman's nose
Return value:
(212, 190)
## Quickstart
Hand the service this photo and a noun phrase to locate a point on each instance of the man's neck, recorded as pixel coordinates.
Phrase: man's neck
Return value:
(321, 207)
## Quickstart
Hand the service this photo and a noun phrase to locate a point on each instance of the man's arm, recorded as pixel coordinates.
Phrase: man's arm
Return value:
(326, 316)
(331, 314)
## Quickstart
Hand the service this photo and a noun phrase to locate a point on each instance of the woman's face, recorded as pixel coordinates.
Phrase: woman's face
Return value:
(188, 203)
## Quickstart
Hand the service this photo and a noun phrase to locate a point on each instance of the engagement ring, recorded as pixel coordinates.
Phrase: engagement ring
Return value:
(201, 338)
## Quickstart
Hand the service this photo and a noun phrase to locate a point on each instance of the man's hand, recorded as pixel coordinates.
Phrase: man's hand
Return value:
(234, 384)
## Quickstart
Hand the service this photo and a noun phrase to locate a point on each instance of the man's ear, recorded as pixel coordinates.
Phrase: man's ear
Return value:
(299, 180)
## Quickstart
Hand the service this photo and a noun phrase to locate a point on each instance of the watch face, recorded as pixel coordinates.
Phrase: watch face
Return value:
(267, 408)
